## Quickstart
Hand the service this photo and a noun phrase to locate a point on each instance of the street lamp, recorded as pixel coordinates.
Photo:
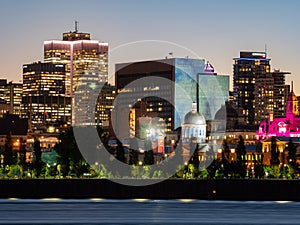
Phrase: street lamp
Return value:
(97, 166)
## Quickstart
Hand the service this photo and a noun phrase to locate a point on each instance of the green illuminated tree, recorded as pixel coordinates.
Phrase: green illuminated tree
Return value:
(69, 156)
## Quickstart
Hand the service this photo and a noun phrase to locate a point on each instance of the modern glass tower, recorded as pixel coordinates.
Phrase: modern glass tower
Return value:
(249, 70)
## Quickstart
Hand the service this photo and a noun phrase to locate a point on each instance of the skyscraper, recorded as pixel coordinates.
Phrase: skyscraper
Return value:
(263, 98)
(250, 69)
(86, 64)
(44, 100)
(281, 92)
(81, 55)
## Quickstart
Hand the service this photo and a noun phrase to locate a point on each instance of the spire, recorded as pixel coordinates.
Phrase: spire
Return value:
(292, 103)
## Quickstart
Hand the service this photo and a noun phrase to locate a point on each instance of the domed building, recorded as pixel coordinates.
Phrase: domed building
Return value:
(193, 126)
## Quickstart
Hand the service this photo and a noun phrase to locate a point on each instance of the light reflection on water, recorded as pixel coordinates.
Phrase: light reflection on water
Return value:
(145, 211)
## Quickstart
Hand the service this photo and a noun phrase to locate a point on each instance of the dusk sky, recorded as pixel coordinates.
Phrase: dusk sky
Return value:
(214, 30)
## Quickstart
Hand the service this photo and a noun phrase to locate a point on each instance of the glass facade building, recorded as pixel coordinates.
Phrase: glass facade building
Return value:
(188, 83)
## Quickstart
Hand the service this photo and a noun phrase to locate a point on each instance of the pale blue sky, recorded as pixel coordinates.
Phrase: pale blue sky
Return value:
(216, 30)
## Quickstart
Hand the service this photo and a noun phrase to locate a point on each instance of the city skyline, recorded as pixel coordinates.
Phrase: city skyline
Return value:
(217, 34)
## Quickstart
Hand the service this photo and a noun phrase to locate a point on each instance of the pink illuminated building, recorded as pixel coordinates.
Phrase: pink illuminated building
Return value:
(289, 126)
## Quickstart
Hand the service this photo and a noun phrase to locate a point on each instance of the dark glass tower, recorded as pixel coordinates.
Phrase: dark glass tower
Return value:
(248, 70)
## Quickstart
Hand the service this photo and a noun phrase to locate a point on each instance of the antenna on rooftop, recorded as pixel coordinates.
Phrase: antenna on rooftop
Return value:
(76, 26)
(266, 50)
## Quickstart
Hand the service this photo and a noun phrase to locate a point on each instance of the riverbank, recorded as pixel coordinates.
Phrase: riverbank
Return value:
(248, 190)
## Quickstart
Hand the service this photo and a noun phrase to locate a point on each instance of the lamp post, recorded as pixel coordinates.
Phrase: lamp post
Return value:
(97, 166)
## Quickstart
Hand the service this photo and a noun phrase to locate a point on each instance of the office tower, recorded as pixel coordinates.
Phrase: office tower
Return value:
(263, 98)
(247, 69)
(11, 94)
(86, 63)
(44, 100)
(80, 54)
(168, 101)
(281, 93)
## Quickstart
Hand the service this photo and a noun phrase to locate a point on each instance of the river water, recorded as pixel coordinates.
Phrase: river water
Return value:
(141, 211)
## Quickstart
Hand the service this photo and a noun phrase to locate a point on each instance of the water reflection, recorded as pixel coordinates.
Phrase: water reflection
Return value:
(145, 211)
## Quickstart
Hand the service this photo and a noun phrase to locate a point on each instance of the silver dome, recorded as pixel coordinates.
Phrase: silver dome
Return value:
(194, 118)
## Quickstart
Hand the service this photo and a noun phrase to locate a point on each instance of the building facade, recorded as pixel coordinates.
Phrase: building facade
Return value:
(263, 98)
(105, 105)
(86, 63)
(81, 55)
(248, 70)
(11, 94)
(44, 100)
(281, 92)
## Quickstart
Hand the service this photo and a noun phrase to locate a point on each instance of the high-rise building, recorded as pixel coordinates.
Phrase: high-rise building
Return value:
(44, 100)
(11, 94)
(169, 102)
(86, 63)
(249, 69)
(81, 55)
(263, 98)
(281, 93)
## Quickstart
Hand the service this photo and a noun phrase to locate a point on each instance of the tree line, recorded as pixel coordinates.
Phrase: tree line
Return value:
(70, 163)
